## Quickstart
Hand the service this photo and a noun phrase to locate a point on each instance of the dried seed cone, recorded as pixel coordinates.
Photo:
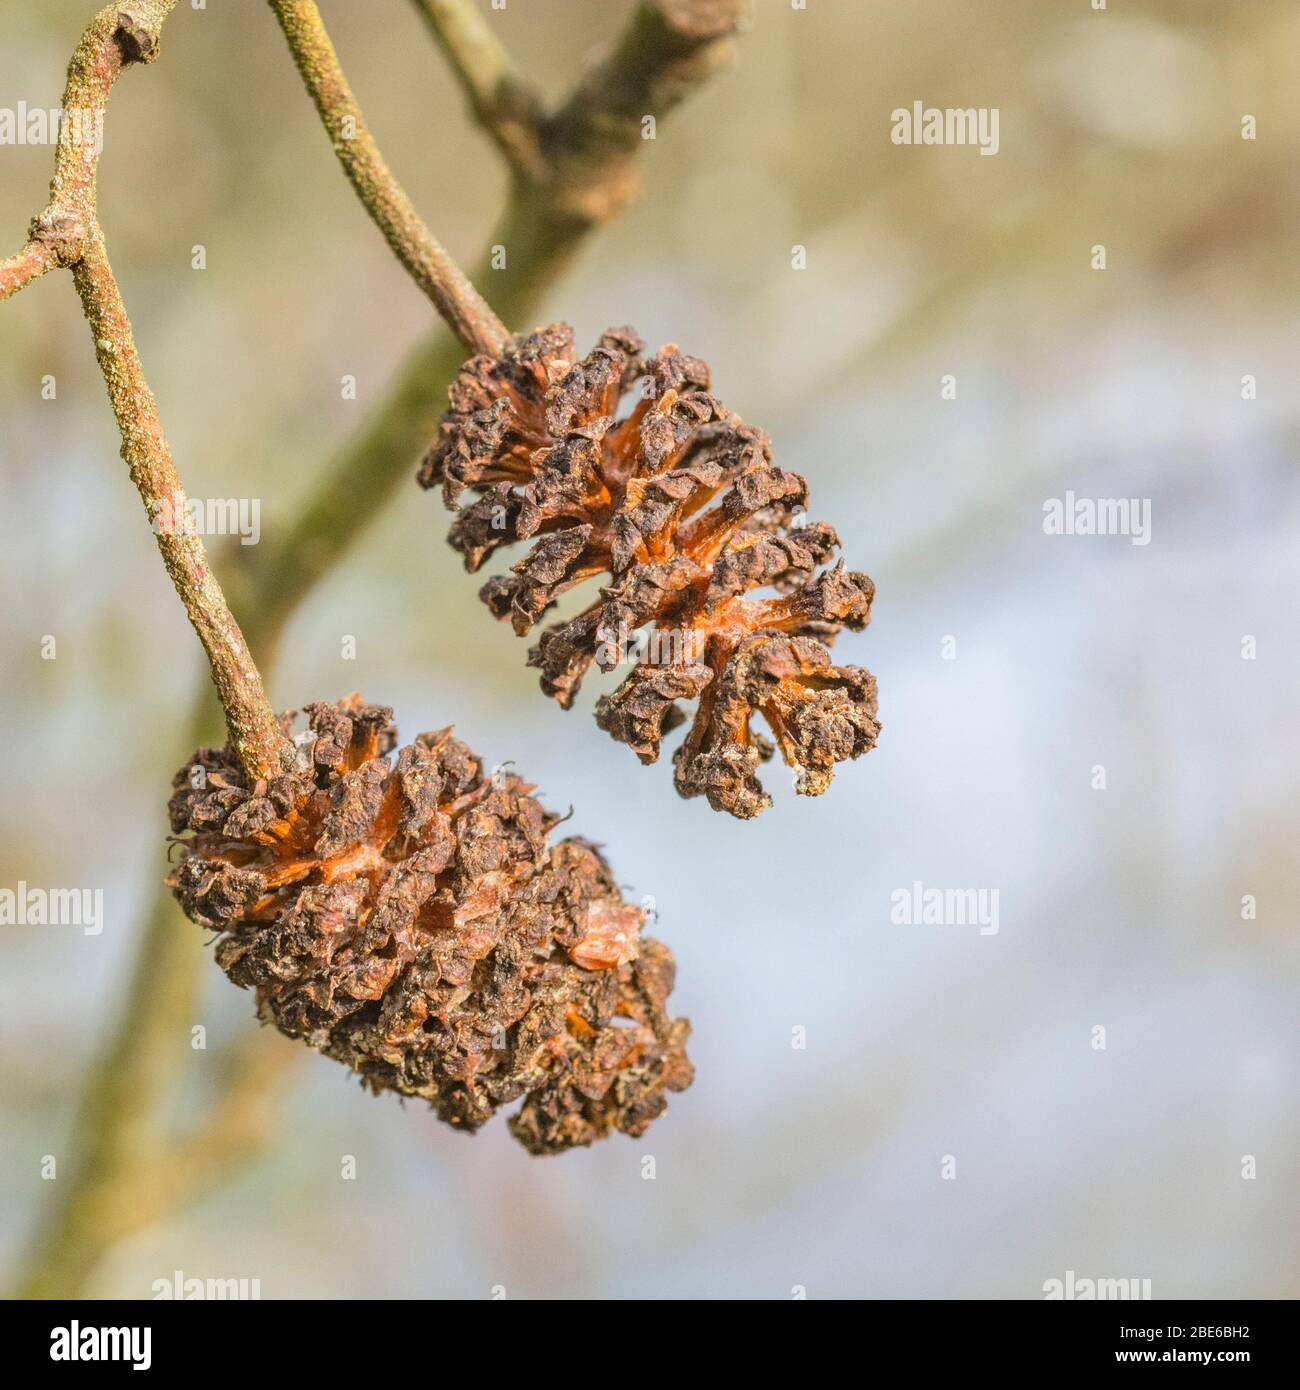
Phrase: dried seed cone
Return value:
(409, 917)
(679, 504)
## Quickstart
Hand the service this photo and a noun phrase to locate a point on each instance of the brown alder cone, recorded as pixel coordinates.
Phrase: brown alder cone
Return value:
(408, 917)
(679, 504)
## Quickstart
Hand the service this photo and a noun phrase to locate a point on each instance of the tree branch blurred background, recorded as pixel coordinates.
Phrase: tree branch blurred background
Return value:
(816, 1166)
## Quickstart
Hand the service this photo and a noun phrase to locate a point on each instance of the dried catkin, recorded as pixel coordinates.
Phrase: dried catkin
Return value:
(409, 916)
(679, 506)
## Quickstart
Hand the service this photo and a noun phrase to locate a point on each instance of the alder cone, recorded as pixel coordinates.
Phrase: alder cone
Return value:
(410, 918)
(679, 505)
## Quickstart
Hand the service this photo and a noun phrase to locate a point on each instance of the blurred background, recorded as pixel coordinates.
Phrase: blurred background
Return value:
(1011, 663)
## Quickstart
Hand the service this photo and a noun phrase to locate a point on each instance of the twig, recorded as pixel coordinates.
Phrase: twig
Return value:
(667, 51)
(20, 269)
(507, 106)
(128, 1086)
(254, 730)
(67, 233)
(424, 257)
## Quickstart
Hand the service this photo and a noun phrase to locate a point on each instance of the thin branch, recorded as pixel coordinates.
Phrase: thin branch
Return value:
(254, 729)
(505, 104)
(67, 233)
(19, 270)
(424, 257)
(117, 37)
(668, 49)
